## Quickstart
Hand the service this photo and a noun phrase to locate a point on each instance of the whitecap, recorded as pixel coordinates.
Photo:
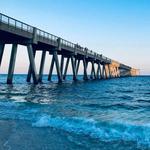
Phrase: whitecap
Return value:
(105, 131)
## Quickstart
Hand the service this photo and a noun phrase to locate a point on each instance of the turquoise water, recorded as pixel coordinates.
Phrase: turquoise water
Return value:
(96, 115)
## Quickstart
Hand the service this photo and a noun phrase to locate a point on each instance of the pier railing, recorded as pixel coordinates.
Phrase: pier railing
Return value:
(15, 23)
(11, 22)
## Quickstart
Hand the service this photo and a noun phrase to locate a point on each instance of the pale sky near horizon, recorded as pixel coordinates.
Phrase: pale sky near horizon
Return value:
(119, 29)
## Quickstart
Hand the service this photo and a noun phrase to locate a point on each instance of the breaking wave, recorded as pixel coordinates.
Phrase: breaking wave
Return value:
(105, 131)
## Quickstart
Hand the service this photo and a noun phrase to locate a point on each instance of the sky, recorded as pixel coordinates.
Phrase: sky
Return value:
(118, 29)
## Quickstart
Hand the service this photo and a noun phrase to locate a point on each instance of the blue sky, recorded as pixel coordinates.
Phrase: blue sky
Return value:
(119, 29)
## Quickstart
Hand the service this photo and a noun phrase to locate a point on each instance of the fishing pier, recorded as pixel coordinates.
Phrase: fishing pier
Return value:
(15, 32)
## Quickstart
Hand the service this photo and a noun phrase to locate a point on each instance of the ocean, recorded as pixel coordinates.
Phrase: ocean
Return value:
(111, 114)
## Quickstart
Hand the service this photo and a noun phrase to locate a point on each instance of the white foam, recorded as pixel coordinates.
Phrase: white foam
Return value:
(106, 131)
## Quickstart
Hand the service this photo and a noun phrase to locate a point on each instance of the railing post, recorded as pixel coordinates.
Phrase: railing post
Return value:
(8, 21)
(0, 19)
(34, 39)
(59, 44)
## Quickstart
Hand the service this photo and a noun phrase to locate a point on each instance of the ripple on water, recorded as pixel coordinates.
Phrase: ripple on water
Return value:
(112, 106)
(126, 97)
(125, 91)
(143, 100)
(147, 93)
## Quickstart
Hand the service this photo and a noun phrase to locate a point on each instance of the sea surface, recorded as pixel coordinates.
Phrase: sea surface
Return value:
(109, 114)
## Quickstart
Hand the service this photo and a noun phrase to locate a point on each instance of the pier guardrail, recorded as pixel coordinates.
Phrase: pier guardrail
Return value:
(11, 22)
(15, 23)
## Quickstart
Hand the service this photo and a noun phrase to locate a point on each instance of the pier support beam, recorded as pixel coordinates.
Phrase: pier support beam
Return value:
(93, 71)
(42, 65)
(118, 72)
(1, 52)
(55, 60)
(66, 68)
(73, 68)
(106, 76)
(116, 75)
(103, 72)
(51, 69)
(85, 65)
(29, 70)
(12, 64)
(110, 76)
(32, 63)
(75, 62)
(77, 67)
(57, 66)
(91, 76)
(98, 71)
(62, 64)
(113, 72)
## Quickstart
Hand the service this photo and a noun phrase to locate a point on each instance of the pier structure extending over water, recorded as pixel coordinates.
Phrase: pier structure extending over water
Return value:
(15, 32)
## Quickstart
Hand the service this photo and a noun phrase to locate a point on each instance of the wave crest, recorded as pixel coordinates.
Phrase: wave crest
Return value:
(105, 131)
